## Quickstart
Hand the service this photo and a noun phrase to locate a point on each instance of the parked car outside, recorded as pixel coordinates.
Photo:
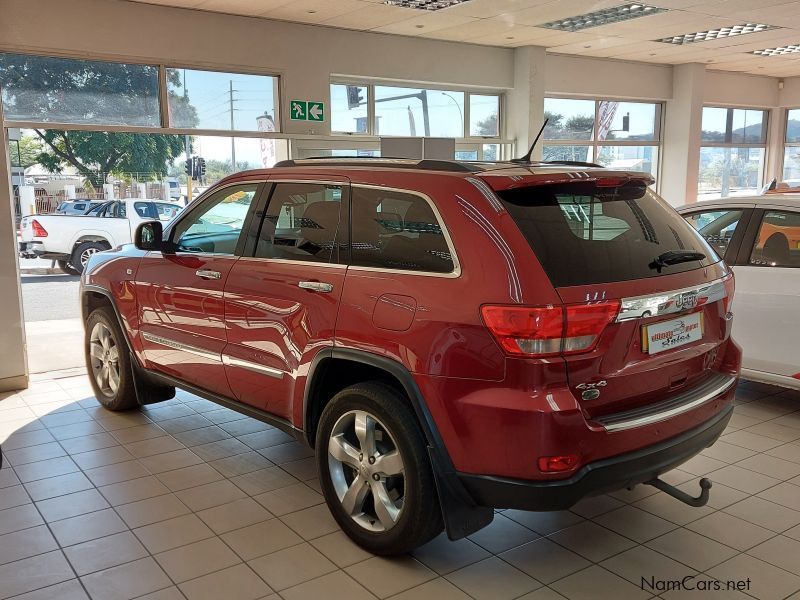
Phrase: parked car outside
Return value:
(759, 237)
(70, 242)
(79, 206)
(449, 337)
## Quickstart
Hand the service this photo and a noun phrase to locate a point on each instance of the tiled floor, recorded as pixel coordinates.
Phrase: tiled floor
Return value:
(189, 500)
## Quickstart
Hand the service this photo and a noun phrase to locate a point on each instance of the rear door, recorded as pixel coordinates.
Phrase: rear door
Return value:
(722, 226)
(600, 245)
(767, 300)
(180, 293)
(282, 298)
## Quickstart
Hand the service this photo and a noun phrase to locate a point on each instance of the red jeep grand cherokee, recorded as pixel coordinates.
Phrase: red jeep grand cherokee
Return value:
(450, 337)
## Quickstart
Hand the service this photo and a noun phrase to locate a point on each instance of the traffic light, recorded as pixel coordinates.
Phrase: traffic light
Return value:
(354, 97)
(189, 167)
(199, 167)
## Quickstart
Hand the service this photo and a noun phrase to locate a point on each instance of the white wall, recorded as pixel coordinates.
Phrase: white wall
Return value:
(741, 89)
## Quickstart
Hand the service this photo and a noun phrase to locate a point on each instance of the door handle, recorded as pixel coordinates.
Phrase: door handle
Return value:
(316, 286)
(207, 274)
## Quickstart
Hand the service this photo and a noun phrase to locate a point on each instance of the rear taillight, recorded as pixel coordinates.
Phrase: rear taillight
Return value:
(549, 330)
(730, 286)
(557, 464)
(38, 230)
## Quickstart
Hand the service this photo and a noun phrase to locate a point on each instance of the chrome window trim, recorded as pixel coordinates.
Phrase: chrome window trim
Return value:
(230, 361)
(454, 274)
(665, 303)
(175, 345)
(672, 412)
(289, 261)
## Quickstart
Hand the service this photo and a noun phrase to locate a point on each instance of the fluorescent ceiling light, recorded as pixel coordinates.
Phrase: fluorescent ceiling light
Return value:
(604, 17)
(715, 34)
(425, 4)
(780, 50)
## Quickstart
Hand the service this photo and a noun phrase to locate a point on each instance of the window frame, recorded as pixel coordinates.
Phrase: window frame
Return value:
(594, 144)
(742, 227)
(786, 143)
(454, 274)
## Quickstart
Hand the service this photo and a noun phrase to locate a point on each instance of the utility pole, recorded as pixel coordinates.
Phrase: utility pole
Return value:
(233, 139)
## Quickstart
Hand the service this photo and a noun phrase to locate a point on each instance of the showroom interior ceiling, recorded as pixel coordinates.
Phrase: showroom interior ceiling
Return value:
(753, 36)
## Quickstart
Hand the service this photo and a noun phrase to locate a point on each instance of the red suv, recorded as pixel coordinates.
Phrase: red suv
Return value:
(450, 337)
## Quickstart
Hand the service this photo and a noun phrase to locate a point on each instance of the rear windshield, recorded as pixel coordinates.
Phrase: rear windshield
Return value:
(584, 234)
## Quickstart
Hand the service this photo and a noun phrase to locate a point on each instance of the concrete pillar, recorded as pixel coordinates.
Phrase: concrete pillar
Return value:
(108, 189)
(680, 164)
(13, 365)
(776, 136)
(27, 200)
(69, 190)
(525, 110)
(142, 190)
(165, 190)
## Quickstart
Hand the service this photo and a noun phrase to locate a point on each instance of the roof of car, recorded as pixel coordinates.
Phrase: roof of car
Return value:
(788, 200)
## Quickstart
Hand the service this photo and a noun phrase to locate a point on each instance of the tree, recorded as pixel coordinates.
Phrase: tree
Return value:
(77, 91)
(488, 126)
(29, 149)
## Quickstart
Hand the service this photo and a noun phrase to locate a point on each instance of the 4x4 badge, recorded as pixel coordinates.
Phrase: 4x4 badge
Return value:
(591, 391)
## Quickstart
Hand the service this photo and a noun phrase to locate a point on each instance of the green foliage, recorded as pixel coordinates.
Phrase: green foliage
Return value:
(488, 126)
(29, 149)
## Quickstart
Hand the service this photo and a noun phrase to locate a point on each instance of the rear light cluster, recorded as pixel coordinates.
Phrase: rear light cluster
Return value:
(730, 285)
(549, 330)
(558, 464)
(38, 230)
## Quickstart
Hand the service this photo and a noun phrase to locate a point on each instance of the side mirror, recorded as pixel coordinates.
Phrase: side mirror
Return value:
(149, 236)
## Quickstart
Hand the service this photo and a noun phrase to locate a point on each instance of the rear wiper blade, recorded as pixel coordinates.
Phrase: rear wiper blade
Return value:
(674, 257)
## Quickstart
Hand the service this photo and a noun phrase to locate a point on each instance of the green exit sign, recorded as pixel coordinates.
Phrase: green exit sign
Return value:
(306, 110)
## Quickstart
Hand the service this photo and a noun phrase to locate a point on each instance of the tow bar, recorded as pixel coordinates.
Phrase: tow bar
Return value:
(700, 500)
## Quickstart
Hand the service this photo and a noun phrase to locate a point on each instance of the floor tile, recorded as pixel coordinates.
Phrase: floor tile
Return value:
(786, 494)
(170, 593)
(238, 582)
(234, 515)
(42, 489)
(197, 437)
(595, 505)
(133, 490)
(440, 589)
(88, 443)
(83, 528)
(16, 495)
(68, 590)
(185, 423)
(26, 543)
(101, 458)
(240, 464)
(71, 505)
(124, 471)
(673, 510)
(188, 477)
(692, 549)
(166, 535)
(544, 523)
(265, 439)
(30, 454)
(169, 461)
(585, 584)
(197, 559)
(634, 523)
(33, 573)
(790, 452)
(283, 453)
(153, 446)
(138, 433)
(751, 441)
(152, 510)
(291, 566)
(445, 556)
(642, 562)
(604, 542)
(503, 534)
(19, 517)
(730, 530)
(743, 479)
(729, 453)
(311, 522)
(126, 581)
(335, 586)
(220, 449)
(210, 494)
(24, 439)
(66, 432)
(781, 551)
(289, 499)
(270, 536)
(264, 480)
(765, 513)
(492, 579)
(340, 549)
(104, 553)
(545, 560)
(767, 582)
(46, 468)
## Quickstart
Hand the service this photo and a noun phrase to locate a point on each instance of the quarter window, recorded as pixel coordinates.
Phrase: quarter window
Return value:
(716, 226)
(301, 222)
(397, 230)
(216, 225)
(778, 240)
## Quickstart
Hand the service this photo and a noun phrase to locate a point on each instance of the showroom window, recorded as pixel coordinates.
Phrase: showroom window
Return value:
(791, 151)
(619, 135)
(384, 110)
(63, 90)
(733, 147)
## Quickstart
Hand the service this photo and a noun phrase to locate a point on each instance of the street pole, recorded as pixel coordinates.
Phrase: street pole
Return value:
(233, 140)
(460, 113)
(425, 118)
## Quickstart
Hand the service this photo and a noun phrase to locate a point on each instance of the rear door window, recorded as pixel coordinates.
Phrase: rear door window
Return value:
(778, 241)
(716, 226)
(585, 234)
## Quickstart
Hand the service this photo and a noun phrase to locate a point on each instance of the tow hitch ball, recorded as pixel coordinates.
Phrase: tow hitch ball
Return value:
(700, 500)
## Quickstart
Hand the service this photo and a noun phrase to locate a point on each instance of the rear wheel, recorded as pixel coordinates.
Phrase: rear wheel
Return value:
(83, 252)
(108, 361)
(374, 470)
(67, 267)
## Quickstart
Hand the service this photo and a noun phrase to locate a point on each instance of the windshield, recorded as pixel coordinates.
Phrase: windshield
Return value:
(584, 234)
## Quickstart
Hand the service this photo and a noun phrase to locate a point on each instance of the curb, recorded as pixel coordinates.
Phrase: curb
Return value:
(41, 271)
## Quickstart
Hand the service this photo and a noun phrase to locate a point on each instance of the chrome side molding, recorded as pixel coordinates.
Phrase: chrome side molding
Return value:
(651, 305)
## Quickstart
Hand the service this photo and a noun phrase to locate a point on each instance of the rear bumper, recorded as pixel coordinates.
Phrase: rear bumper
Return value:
(614, 473)
(36, 250)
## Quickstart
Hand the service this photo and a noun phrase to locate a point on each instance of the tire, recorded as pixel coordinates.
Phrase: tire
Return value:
(67, 267)
(409, 514)
(82, 253)
(108, 361)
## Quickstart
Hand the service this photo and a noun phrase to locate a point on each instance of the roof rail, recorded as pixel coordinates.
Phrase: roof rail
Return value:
(571, 163)
(424, 164)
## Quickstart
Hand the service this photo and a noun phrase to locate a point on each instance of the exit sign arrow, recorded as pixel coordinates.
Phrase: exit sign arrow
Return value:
(316, 111)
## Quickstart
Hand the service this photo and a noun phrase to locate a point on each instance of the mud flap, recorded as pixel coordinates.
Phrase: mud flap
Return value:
(461, 515)
(147, 390)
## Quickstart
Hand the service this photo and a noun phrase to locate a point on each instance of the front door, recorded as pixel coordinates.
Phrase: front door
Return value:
(181, 292)
(282, 298)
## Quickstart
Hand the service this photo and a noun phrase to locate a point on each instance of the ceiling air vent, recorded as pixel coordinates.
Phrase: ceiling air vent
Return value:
(425, 4)
(626, 12)
(715, 34)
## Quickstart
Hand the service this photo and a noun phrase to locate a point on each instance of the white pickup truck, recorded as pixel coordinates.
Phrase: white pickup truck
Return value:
(71, 239)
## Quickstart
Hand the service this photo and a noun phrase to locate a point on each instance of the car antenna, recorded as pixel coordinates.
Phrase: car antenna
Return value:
(527, 158)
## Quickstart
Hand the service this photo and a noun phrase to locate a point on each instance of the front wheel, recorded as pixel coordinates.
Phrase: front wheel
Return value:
(108, 361)
(374, 470)
(83, 252)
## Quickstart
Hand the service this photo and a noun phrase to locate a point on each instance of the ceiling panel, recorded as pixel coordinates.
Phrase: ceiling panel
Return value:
(312, 11)
(421, 24)
(240, 7)
(369, 17)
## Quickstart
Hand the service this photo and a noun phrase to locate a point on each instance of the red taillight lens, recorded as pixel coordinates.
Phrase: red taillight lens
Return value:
(557, 464)
(38, 230)
(549, 330)
(730, 286)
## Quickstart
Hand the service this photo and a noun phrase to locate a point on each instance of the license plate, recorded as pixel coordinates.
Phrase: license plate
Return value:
(673, 333)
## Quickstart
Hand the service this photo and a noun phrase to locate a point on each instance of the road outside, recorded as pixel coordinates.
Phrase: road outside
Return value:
(53, 327)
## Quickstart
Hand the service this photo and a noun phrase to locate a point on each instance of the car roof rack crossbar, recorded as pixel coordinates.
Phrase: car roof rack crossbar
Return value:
(425, 164)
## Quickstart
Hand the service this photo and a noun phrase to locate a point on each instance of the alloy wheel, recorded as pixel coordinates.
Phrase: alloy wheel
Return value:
(87, 254)
(104, 356)
(366, 470)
